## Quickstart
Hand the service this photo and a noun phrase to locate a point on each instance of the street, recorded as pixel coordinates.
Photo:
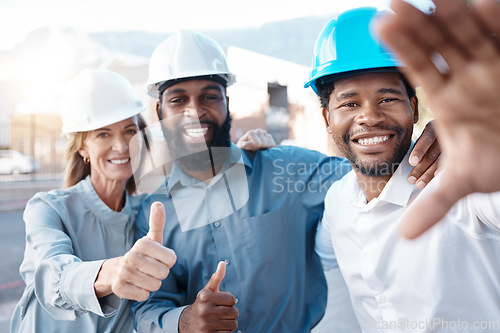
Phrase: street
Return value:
(11, 255)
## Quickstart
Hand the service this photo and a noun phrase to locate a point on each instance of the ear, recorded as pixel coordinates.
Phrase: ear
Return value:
(158, 110)
(83, 152)
(414, 106)
(326, 117)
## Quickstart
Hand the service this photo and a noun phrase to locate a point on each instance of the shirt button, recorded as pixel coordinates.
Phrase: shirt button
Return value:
(239, 331)
(217, 224)
(236, 301)
(381, 299)
(227, 262)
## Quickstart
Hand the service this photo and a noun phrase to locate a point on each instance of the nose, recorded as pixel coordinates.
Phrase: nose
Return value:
(195, 109)
(370, 115)
(120, 144)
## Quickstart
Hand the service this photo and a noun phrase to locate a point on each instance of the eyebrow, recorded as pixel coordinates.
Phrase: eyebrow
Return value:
(107, 129)
(180, 90)
(390, 91)
(211, 87)
(346, 95)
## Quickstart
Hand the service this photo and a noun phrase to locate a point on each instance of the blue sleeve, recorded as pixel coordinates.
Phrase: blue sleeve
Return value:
(63, 283)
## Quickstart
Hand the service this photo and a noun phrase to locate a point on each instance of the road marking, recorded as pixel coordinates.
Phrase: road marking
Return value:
(13, 284)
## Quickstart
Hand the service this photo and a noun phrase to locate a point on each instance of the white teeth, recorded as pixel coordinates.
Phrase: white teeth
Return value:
(123, 161)
(373, 141)
(196, 132)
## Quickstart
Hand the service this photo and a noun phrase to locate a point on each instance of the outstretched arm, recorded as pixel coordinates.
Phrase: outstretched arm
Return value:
(454, 55)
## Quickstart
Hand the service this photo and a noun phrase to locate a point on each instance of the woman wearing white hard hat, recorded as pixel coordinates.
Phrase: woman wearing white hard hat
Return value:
(81, 264)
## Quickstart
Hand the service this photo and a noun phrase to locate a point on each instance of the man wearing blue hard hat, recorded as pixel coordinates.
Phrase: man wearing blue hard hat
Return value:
(447, 279)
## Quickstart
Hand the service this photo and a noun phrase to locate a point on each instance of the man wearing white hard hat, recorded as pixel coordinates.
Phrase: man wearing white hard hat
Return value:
(81, 266)
(254, 233)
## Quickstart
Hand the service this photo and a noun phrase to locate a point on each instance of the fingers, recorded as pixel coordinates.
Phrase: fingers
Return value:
(156, 222)
(150, 258)
(130, 291)
(216, 279)
(462, 25)
(134, 285)
(257, 139)
(428, 33)
(424, 178)
(142, 270)
(419, 217)
(269, 140)
(426, 142)
(212, 310)
(433, 45)
(419, 69)
(488, 11)
(426, 169)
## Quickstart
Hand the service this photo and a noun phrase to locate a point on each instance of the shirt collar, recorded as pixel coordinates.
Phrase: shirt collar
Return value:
(95, 202)
(178, 179)
(397, 190)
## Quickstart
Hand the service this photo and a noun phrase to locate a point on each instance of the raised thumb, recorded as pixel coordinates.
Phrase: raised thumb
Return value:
(156, 222)
(217, 277)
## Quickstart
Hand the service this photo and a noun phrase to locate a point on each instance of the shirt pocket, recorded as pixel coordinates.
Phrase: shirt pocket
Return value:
(269, 237)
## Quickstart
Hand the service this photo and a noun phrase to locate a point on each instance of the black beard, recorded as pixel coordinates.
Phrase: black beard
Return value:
(382, 168)
(204, 158)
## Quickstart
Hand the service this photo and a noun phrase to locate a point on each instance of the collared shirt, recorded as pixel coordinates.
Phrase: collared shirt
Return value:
(69, 234)
(198, 203)
(446, 280)
(267, 244)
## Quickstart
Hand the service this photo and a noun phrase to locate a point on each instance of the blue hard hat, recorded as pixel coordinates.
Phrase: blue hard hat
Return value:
(346, 46)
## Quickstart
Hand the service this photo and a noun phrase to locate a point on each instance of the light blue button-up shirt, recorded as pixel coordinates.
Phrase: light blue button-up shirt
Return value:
(267, 243)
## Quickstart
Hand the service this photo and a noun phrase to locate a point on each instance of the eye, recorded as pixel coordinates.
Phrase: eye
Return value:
(102, 135)
(387, 100)
(176, 100)
(132, 131)
(210, 98)
(349, 105)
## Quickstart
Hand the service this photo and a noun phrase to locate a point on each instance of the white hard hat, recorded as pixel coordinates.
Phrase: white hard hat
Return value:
(186, 54)
(97, 98)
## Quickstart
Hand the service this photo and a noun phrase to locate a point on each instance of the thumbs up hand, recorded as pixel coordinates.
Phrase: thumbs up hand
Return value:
(142, 269)
(156, 222)
(213, 310)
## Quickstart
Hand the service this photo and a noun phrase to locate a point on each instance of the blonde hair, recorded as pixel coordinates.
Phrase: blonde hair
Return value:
(76, 170)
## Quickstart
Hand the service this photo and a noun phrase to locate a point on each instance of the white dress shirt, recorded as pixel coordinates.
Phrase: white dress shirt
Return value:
(446, 280)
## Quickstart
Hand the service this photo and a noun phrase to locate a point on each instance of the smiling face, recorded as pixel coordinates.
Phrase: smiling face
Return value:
(196, 117)
(371, 120)
(108, 151)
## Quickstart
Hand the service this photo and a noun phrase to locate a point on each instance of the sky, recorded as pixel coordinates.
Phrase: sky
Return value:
(18, 17)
